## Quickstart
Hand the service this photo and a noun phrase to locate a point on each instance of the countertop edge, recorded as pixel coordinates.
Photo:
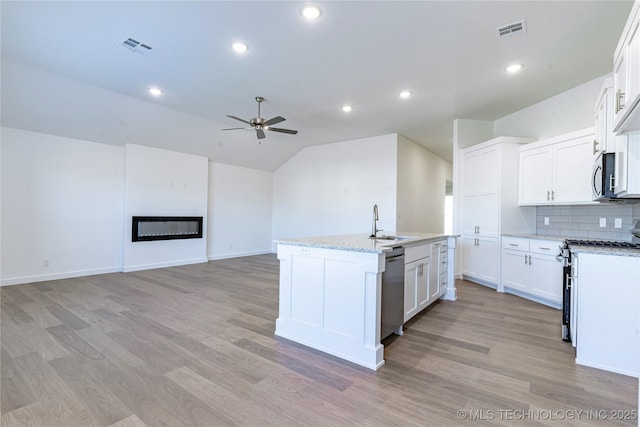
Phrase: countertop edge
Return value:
(382, 245)
(535, 236)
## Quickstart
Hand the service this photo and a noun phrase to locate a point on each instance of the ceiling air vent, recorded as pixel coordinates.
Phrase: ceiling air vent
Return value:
(136, 46)
(511, 30)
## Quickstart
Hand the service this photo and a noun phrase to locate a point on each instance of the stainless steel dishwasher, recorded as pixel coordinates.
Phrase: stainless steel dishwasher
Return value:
(392, 305)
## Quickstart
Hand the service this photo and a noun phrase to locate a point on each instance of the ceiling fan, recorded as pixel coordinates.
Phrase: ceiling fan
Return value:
(260, 124)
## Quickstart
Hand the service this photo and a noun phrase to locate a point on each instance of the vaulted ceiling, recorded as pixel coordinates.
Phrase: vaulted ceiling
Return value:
(65, 72)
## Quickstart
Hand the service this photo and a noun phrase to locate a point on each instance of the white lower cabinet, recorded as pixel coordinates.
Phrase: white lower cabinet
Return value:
(425, 276)
(530, 269)
(481, 259)
(605, 305)
(416, 286)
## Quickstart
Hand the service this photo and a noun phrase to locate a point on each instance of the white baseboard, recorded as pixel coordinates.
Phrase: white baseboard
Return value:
(139, 267)
(631, 373)
(239, 254)
(56, 276)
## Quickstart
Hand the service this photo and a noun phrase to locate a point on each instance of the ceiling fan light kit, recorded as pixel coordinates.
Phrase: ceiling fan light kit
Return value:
(260, 125)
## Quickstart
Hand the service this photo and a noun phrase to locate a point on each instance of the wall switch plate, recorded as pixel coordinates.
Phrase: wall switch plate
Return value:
(546, 220)
(603, 222)
(45, 262)
(618, 223)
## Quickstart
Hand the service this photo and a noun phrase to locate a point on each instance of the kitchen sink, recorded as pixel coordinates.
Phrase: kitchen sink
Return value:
(392, 238)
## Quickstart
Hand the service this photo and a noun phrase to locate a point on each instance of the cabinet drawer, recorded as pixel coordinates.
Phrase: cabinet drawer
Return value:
(443, 281)
(413, 253)
(545, 247)
(515, 244)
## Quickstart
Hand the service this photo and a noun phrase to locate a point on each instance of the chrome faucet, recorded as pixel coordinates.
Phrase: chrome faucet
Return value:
(374, 228)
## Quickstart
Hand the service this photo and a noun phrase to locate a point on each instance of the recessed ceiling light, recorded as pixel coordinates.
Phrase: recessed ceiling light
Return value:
(405, 94)
(347, 108)
(311, 12)
(240, 47)
(514, 68)
(155, 91)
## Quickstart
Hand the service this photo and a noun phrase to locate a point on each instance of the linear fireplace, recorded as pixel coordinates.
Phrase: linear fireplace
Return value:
(145, 228)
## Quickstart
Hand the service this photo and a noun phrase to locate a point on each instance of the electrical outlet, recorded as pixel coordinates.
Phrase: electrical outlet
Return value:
(230, 246)
(546, 220)
(45, 262)
(603, 222)
(618, 223)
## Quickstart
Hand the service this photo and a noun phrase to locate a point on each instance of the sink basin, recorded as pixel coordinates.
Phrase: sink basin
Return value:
(392, 238)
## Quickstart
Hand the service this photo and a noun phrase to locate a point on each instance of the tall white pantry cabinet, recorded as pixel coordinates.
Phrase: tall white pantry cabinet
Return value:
(490, 206)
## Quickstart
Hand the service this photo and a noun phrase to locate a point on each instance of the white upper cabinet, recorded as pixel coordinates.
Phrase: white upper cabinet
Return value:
(557, 170)
(573, 168)
(481, 172)
(536, 176)
(626, 76)
(605, 139)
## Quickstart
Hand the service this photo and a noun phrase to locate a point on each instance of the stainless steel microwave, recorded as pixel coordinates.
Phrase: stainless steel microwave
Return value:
(603, 177)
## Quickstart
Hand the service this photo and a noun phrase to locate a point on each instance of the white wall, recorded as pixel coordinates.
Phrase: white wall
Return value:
(566, 112)
(240, 209)
(422, 180)
(39, 101)
(163, 183)
(61, 201)
(331, 189)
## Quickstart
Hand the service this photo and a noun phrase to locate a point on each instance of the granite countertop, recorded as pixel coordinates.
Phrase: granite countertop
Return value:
(536, 236)
(580, 248)
(362, 242)
(599, 250)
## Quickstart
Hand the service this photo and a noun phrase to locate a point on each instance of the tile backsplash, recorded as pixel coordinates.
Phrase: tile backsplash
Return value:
(584, 221)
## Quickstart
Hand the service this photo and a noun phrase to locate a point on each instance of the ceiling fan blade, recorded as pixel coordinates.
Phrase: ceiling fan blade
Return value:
(233, 128)
(238, 118)
(260, 133)
(273, 121)
(289, 131)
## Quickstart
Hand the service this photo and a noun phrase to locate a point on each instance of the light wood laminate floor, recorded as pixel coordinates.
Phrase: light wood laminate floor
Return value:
(194, 346)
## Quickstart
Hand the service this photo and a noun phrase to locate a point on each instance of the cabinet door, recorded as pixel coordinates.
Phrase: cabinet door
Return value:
(480, 215)
(434, 267)
(602, 124)
(619, 86)
(572, 171)
(425, 282)
(546, 277)
(489, 250)
(515, 270)
(481, 172)
(480, 258)
(633, 67)
(416, 287)
(536, 176)
(411, 279)
(470, 256)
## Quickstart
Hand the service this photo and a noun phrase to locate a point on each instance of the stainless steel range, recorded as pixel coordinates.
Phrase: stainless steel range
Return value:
(564, 256)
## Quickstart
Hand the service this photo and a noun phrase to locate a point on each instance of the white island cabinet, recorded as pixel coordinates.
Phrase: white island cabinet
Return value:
(330, 289)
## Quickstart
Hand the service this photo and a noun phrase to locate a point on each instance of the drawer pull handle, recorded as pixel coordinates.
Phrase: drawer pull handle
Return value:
(514, 244)
(545, 249)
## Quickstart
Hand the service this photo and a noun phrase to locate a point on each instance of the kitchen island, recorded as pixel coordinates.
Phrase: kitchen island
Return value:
(331, 289)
